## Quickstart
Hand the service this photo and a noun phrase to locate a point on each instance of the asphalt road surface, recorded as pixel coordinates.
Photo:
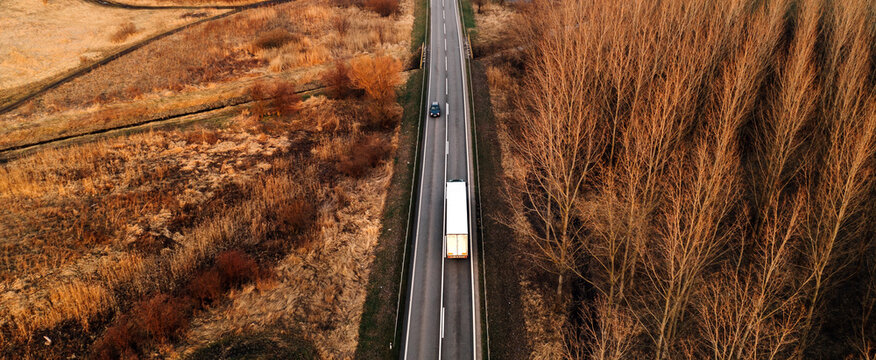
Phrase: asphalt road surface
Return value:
(440, 322)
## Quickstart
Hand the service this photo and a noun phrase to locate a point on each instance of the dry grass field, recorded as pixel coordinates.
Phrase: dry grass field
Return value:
(188, 2)
(297, 39)
(713, 196)
(43, 38)
(156, 244)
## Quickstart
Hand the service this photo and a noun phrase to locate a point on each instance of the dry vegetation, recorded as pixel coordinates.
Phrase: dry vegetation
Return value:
(139, 217)
(188, 2)
(152, 244)
(697, 176)
(77, 31)
(299, 39)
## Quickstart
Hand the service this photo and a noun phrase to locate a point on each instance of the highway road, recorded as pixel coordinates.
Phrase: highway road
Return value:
(440, 322)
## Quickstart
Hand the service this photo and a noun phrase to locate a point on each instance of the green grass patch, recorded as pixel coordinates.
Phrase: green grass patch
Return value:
(421, 24)
(263, 345)
(467, 14)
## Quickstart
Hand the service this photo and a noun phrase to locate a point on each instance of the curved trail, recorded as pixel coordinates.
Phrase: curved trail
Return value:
(240, 101)
(115, 4)
(84, 70)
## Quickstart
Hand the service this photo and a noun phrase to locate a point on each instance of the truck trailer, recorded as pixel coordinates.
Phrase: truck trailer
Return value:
(456, 220)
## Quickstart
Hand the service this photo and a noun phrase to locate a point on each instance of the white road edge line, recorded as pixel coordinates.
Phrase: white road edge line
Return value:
(442, 324)
(419, 211)
(466, 119)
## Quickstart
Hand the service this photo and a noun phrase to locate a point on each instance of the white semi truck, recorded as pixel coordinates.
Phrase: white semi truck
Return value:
(456, 220)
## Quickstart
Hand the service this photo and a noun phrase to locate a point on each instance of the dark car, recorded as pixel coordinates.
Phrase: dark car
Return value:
(435, 110)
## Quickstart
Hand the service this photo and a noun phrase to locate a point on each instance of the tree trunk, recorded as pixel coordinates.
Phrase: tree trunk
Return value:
(560, 286)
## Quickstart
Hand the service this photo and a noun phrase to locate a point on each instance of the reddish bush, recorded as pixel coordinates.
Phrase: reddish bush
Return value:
(236, 267)
(285, 99)
(206, 287)
(278, 98)
(363, 155)
(117, 343)
(337, 80)
(162, 316)
(383, 7)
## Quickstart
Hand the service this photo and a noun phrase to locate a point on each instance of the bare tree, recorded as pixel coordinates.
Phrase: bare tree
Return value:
(845, 175)
(560, 140)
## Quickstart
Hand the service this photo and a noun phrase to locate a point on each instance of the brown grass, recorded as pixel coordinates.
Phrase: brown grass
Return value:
(200, 61)
(153, 230)
(75, 30)
(164, 206)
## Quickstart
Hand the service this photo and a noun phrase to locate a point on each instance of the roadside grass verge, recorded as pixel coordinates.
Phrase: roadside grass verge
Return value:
(500, 280)
(382, 315)
(378, 326)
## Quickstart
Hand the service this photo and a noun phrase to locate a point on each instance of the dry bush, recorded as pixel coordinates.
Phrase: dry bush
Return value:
(117, 342)
(337, 79)
(274, 39)
(206, 287)
(363, 155)
(383, 7)
(123, 32)
(285, 100)
(235, 267)
(377, 76)
(162, 316)
(277, 98)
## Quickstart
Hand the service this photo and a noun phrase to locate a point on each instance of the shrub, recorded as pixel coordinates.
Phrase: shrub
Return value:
(337, 80)
(363, 155)
(123, 32)
(274, 39)
(383, 7)
(236, 267)
(259, 93)
(162, 316)
(377, 76)
(117, 343)
(206, 287)
(285, 99)
(384, 115)
(278, 98)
